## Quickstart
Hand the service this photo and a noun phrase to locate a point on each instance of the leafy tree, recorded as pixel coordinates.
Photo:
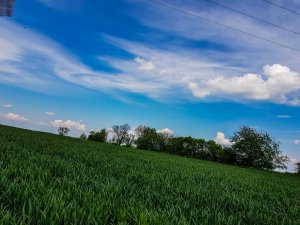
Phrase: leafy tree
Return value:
(181, 146)
(228, 156)
(297, 167)
(139, 130)
(257, 150)
(63, 131)
(99, 136)
(83, 136)
(149, 139)
(191, 147)
(214, 151)
(167, 134)
(120, 133)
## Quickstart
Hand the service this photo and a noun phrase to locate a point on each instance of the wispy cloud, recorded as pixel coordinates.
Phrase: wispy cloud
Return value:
(7, 105)
(14, 117)
(238, 48)
(50, 113)
(72, 125)
(297, 142)
(144, 65)
(283, 116)
(157, 73)
(66, 5)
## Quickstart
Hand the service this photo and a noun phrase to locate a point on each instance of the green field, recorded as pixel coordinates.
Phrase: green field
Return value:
(50, 179)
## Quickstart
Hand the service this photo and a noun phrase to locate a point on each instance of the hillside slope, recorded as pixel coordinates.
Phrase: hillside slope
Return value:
(49, 179)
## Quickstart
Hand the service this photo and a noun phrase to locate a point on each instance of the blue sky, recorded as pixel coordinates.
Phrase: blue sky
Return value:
(93, 64)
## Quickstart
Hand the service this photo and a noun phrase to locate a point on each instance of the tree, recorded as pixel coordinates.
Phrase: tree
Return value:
(228, 155)
(63, 131)
(181, 146)
(130, 138)
(83, 136)
(167, 134)
(120, 133)
(149, 139)
(257, 150)
(139, 130)
(192, 147)
(99, 136)
(297, 167)
(214, 150)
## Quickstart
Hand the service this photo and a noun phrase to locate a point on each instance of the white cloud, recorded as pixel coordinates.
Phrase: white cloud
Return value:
(221, 140)
(14, 117)
(72, 125)
(50, 113)
(279, 85)
(172, 74)
(166, 132)
(230, 45)
(297, 142)
(7, 105)
(283, 116)
(144, 65)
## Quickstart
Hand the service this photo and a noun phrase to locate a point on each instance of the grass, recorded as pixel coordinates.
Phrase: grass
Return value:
(49, 179)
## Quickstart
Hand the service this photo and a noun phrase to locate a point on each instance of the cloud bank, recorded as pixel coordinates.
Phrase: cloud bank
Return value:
(279, 84)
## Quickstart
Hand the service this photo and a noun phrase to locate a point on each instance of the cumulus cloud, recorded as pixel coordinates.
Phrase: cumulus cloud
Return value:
(7, 105)
(14, 117)
(72, 125)
(144, 65)
(50, 113)
(221, 140)
(297, 142)
(279, 85)
(166, 132)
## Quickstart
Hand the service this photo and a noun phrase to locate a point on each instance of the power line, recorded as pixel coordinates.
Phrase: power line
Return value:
(282, 7)
(252, 17)
(220, 24)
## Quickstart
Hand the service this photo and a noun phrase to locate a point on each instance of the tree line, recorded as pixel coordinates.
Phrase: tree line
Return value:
(249, 148)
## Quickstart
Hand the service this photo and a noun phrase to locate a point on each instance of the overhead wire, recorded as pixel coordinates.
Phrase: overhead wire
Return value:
(221, 24)
(282, 7)
(252, 17)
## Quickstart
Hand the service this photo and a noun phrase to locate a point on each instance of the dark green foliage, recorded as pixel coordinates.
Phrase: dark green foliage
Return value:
(196, 148)
(83, 136)
(257, 150)
(297, 167)
(98, 136)
(50, 179)
(63, 131)
(149, 139)
(187, 146)
(250, 148)
(228, 155)
(215, 151)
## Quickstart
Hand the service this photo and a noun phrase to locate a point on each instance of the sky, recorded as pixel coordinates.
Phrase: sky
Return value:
(92, 64)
